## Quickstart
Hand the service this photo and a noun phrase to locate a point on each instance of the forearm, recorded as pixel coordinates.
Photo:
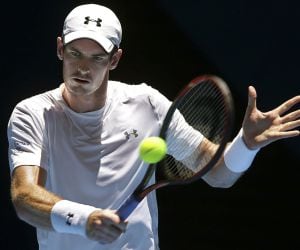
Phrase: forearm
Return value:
(33, 204)
(220, 176)
(235, 161)
(43, 209)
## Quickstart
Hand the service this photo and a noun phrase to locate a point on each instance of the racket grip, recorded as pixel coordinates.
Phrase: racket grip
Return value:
(128, 206)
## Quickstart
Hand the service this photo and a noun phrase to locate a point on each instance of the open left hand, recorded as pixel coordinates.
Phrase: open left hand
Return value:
(263, 128)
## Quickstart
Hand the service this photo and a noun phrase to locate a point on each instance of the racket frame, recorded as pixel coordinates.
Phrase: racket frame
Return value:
(143, 190)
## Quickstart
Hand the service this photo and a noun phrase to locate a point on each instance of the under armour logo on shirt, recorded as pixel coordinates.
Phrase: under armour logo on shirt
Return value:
(133, 132)
(88, 19)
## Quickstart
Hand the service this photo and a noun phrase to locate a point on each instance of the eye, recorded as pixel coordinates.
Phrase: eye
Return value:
(99, 58)
(74, 53)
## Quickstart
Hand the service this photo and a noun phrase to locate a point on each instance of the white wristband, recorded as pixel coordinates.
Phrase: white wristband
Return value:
(70, 217)
(238, 157)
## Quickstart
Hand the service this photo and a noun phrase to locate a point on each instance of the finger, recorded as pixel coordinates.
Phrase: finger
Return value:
(291, 117)
(103, 235)
(106, 237)
(288, 104)
(116, 227)
(284, 135)
(110, 214)
(252, 96)
(290, 125)
(121, 226)
(107, 233)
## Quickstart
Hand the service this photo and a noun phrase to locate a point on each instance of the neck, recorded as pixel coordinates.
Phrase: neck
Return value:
(86, 103)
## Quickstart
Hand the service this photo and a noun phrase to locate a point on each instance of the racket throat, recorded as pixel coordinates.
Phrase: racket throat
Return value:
(131, 203)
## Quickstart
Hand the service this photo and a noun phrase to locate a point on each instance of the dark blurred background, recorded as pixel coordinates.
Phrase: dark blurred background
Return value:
(166, 44)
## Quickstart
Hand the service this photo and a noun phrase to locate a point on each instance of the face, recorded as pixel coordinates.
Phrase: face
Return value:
(86, 66)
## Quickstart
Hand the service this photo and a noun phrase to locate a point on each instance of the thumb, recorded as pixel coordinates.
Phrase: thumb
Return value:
(252, 96)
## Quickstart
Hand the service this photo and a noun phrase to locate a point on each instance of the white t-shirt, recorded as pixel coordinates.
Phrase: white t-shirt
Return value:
(92, 158)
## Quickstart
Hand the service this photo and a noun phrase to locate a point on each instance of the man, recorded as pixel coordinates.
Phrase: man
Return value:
(73, 150)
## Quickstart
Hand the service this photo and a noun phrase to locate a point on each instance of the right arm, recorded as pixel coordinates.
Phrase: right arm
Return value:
(32, 201)
(34, 204)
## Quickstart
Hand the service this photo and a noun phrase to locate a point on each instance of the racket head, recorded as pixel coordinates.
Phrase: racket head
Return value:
(207, 105)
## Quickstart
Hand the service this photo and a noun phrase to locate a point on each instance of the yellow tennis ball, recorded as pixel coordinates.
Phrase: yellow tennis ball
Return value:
(152, 149)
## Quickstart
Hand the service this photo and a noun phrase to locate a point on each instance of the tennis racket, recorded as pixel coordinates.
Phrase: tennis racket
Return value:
(206, 105)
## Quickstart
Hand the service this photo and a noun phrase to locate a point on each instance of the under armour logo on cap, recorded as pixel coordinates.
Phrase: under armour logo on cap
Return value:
(88, 19)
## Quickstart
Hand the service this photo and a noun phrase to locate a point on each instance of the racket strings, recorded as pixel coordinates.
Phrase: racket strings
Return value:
(202, 104)
(201, 100)
(204, 110)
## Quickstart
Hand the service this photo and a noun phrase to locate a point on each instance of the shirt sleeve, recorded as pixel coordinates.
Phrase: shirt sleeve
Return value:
(182, 139)
(26, 137)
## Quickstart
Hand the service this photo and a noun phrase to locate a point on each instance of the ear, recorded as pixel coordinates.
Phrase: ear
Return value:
(59, 48)
(115, 58)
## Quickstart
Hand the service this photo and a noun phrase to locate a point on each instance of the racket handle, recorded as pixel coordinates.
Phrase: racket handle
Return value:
(128, 206)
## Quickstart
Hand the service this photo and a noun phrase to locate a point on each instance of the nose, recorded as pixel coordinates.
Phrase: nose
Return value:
(83, 70)
(83, 67)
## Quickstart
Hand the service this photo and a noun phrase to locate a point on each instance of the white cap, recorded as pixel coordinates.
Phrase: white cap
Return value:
(95, 22)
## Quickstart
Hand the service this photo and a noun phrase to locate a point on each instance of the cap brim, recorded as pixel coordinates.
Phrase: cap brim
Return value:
(100, 39)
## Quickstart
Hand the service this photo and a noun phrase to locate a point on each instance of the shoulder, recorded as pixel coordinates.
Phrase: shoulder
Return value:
(132, 91)
(139, 95)
(38, 102)
(34, 107)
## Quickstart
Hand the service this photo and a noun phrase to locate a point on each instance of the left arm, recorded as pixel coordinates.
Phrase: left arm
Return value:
(220, 175)
(259, 130)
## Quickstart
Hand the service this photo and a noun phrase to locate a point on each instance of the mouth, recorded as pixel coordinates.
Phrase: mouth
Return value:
(81, 80)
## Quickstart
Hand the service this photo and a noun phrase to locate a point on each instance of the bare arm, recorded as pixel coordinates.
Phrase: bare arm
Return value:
(33, 204)
(219, 175)
(259, 130)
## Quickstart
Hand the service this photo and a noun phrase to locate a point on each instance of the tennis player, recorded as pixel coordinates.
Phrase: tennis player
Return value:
(73, 151)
